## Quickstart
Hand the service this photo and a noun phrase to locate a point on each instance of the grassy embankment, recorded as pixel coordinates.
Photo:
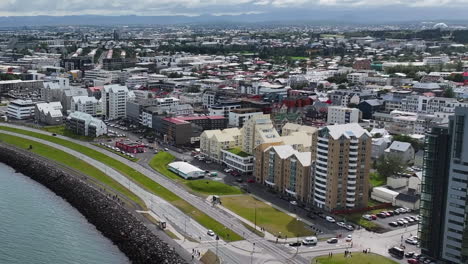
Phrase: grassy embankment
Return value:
(204, 186)
(142, 180)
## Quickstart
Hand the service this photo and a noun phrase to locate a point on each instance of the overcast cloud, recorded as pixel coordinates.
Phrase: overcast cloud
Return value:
(196, 7)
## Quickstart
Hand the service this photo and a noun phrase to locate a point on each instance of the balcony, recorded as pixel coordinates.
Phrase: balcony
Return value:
(322, 186)
(322, 145)
(350, 188)
(350, 205)
(319, 196)
(353, 159)
(354, 147)
(290, 192)
(352, 182)
(350, 199)
(269, 183)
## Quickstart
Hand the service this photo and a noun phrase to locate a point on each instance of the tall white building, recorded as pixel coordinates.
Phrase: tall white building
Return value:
(85, 104)
(114, 101)
(343, 115)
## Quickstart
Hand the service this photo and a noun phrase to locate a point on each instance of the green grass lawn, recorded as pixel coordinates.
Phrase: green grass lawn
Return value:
(204, 186)
(61, 130)
(273, 220)
(376, 179)
(142, 180)
(239, 152)
(299, 58)
(357, 258)
(72, 162)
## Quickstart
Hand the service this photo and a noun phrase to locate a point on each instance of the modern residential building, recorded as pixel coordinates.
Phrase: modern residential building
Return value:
(238, 160)
(402, 150)
(212, 142)
(434, 186)
(237, 117)
(85, 104)
(85, 124)
(21, 109)
(257, 130)
(284, 170)
(343, 115)
(114, 101)
(49, 113)
(342, 167)
(455, 238)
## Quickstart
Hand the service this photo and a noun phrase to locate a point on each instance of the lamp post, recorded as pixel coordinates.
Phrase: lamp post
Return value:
(251, 255)
(255, 214)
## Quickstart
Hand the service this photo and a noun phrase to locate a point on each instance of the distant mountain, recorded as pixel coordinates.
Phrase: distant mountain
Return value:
(287, 15)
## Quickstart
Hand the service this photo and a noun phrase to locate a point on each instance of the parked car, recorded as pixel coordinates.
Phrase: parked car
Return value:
(210, 232)
(333, 240)
(228, 170)
(295, 244)
(330, 219)
(393, 224)
(239, 180)
(341, 224)
(349, 227)
(381, 215)
(374, 217)
(367, 217)
(413, 261)
(250, 180)
(409, 254)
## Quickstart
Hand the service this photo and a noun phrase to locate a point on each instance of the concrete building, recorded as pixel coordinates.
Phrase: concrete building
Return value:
(212, 142)
(237, 117)
(20, 109)
(342, 168)
(285, 170)
(85, 104)
(114, 101)
(343, 115)
(238, 160)
(49, 113)
(257, 130)
(85, 125)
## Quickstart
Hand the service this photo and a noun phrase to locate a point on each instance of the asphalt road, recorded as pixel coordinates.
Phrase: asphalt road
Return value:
(276, 252)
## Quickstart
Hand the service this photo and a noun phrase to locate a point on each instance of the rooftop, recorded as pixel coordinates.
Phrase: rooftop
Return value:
(239, 152)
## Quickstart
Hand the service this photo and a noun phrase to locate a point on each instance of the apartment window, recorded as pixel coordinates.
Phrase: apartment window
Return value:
(458, 137)
(454, 239)
(455, 231)
(455, 222)
(456, 214)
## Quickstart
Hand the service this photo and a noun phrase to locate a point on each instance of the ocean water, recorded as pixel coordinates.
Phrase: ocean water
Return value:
(37, 226)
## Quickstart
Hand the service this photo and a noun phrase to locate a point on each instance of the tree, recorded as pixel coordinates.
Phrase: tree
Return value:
(377, 135)
(320, 87)
(193, 89)
(389, 165)
(449, 93)
(342, 87)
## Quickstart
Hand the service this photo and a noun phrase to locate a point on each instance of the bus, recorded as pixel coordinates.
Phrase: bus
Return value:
(396, 252)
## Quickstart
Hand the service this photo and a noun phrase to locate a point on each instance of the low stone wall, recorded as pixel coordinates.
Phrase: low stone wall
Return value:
(132, 237)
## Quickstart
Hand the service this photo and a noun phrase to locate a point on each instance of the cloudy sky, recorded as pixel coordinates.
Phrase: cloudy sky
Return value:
(197, 7)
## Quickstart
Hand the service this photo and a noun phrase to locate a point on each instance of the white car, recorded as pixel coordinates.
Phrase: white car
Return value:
(349, 238)
(210, 232)
(228, 170)
(330, 219)
(367, 217)
(341, 224)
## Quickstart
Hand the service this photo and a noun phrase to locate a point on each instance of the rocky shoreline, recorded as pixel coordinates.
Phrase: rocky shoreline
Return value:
(112, 219)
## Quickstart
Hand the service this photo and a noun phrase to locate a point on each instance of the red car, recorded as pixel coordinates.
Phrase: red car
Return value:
(250, 180)
(374, 217)
(413, 261)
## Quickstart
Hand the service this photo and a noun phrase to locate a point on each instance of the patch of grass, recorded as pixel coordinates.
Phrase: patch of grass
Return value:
(357, 258)
(239, 152)
(376, 179)
(299, 58)
(209, 258)
(170, 234)
(117, 152)
(257, 232)
(160, 161)
(142, 180)
(272, 219)
(62, 130)
(72, 162)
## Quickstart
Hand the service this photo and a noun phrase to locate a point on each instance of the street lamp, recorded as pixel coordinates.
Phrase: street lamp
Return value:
(251, 255)
(255, 214)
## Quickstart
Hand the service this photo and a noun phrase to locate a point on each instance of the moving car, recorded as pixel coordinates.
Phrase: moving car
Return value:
(228, 170)
(310, 241)
(333, 240)
(396, 252)
(349, 238)
(295, 244)
(210, 232)
(411, 241)
(409, 254)
(330, 219)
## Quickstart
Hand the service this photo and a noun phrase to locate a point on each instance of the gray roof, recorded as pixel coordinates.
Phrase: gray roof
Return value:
(407, 197)
(373, 102)
(400, 146)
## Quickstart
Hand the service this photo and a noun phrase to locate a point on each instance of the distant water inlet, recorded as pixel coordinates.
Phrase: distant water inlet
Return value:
(37, 226)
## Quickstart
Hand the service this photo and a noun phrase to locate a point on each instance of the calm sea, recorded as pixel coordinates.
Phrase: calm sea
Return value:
(37, 226)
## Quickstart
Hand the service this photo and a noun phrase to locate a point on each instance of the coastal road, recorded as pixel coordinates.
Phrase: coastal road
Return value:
(272, 252)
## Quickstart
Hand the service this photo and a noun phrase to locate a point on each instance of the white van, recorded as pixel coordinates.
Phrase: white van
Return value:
(310, 241)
